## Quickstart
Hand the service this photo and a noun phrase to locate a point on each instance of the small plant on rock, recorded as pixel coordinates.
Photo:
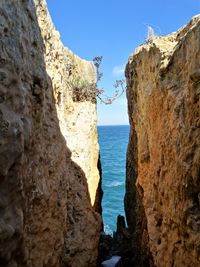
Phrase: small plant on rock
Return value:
(84, 90)
(151, 35)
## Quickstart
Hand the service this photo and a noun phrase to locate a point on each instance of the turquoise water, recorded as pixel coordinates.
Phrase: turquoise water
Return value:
(113, 142)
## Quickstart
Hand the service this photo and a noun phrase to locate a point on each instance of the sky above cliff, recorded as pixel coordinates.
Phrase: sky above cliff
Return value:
(113, 29)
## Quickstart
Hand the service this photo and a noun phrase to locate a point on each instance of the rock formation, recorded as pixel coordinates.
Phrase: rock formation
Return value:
(49, 152)
(163, 159)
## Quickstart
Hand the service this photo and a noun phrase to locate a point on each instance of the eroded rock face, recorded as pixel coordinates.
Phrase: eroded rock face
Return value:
(48, 145)
(163, 159)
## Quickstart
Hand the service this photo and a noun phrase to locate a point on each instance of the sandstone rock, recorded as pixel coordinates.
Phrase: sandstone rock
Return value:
(163, 159)
(48, 145)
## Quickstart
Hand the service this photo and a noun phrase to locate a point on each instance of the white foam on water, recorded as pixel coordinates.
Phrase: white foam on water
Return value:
(107, 230)
(114, 184)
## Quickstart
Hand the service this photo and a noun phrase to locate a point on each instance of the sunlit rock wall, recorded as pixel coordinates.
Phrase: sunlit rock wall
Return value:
(163, 158)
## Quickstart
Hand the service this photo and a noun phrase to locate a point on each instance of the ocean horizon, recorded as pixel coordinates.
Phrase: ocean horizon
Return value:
(105, 125)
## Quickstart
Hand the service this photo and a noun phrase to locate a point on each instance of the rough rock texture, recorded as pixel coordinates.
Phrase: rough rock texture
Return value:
(48, 145)
(163, 159)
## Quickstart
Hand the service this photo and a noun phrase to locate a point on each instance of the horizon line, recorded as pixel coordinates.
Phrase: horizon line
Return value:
(113, 125)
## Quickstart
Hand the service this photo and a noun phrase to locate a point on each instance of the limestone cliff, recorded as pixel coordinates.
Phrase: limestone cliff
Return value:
(163, 159)
(48, 145)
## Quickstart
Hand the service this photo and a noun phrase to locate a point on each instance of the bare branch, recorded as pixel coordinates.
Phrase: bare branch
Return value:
(119, 84)
(83, 90)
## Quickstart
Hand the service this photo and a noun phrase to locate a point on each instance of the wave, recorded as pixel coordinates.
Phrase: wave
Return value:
(108, 230)
(114, 184)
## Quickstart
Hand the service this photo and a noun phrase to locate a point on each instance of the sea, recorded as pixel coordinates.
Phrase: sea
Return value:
(113, 142)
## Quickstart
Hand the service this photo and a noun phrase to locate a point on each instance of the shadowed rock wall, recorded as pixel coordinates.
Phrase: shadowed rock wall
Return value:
(48, 145)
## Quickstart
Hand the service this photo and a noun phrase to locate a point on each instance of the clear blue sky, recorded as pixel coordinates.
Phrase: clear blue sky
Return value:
(113, 29)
